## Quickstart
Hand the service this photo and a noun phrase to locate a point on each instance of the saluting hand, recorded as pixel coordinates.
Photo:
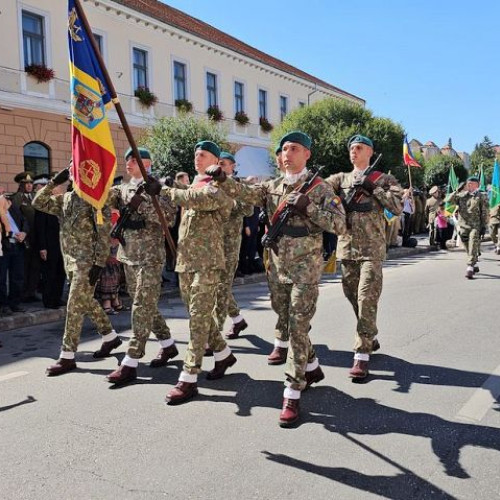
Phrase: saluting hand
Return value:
(298, 202)
(152, 186)
(216, 173)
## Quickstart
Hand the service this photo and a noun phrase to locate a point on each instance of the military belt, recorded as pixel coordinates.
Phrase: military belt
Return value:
(295, 232)
(367, 206)
(134, 224)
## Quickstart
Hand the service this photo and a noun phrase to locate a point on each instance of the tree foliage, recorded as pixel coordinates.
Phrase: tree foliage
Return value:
(171, 141)
(483, 154)
(437, 169)
(331, 122)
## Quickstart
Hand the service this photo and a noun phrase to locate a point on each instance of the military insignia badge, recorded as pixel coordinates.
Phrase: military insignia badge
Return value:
(89, 173)
(334, 202)
(87, 105)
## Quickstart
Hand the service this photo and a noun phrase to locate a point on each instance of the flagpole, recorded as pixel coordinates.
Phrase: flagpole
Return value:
(125, 125)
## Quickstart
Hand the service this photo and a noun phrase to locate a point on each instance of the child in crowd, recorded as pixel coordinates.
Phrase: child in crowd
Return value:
(441, 226)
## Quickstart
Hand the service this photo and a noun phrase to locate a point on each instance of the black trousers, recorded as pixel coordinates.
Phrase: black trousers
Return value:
(53, 278)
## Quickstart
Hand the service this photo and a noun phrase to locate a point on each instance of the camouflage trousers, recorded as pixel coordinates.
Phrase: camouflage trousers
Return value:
(281, 308)
(144, 286)
(226, 303)
(199, 291)
(81, 303)
(362, 285)
(472, 242)
(494, 225)
(296, 304)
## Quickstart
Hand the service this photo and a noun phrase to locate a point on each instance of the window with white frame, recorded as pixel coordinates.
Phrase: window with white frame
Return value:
(262, 103)
(283, 106)
(33, 38)
(140, 67)
(239, 97)
(180, 81)
(100, 42)
(211, 89)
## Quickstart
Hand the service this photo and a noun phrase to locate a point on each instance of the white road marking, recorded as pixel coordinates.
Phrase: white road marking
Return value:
(12, 375)
(482, 400)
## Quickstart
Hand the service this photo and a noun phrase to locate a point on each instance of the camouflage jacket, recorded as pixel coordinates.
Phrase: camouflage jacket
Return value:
(145, 246)
(473, 209)
(83, 241)
(299, 259)
(495, 215)
(431, 207)
(205, 209)
(365, 237)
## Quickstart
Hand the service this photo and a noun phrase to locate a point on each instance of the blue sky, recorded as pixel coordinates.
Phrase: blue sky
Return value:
(431, 65)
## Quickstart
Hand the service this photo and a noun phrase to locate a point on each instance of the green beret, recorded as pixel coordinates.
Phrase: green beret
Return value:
(23, 177)
(473, 178)
(277, 149)
(359, 139)
(296, 136)
(224, 155)
(145, 154)
(209, 146)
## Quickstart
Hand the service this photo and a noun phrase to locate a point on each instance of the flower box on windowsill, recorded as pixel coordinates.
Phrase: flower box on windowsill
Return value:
(242, 118)
(145, 96)
(265, 125)
(184, 105)
(214, 113)
(40, 72)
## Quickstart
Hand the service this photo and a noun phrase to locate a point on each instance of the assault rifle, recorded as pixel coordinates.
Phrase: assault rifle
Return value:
(125, 214)
(355, 189)
(275, 231)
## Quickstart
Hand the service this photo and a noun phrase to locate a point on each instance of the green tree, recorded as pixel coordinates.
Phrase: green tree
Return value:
(483, 154)
(171, 141)
(331, 122)
(437, 169)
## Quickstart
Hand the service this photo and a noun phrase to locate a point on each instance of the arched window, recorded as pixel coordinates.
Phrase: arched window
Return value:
(36, 158)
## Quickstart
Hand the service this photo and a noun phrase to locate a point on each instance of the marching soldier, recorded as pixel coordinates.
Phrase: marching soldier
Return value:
(226, 303)
(85, 248)
(296, 267)
(363, 248)
(494, 227)
(142, 251)
(472, 220)
(200, 261)
(431, 208)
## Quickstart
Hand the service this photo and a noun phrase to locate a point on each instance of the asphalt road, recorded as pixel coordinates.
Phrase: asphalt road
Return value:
(425, 425)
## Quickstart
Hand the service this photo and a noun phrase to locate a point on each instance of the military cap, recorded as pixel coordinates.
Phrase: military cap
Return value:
(224, 155)
(40, 179)
(277, 149)
(359, 139)
(473, 178)
(298, 137)
(145, 154)
(433, 189)
(23, 177)
(209, 146)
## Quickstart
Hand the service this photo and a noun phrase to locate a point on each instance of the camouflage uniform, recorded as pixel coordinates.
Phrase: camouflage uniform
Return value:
(200, 261)
(431, 208)
(83, 244)
(363, 249)
(473, 213)
(144, 257)
(494, 225)
(295, 272)
(226, 303)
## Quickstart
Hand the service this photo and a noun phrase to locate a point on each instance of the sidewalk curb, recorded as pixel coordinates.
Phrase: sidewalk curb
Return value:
(43, 316)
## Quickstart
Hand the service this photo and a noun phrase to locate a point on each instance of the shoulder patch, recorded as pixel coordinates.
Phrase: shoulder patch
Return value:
(335, 201)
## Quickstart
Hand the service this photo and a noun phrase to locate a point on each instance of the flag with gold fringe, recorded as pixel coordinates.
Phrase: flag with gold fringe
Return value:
(94, 158)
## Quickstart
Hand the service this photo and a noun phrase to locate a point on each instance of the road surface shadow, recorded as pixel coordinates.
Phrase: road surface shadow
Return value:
(29, 399)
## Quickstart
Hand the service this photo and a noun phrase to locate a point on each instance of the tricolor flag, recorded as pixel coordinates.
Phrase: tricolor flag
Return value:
(408, 157)
(94, 158)
(495, 186)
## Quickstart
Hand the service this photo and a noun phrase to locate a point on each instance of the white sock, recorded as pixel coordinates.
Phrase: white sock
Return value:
(219, 356)
(237, 319)
(109, 336)
(312, 366)
(130, 362)
(67, 355)
(291, 393)
(192, 378)
(281, 343)
(166, 343)
(362, 356)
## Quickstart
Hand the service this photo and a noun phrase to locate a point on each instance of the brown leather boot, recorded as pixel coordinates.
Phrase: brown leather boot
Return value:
(278, 356)
(221, 367)
(290, 412)
(122, 375)
(61, 366)
(163, 356)
(359, 369)
(236, 328)
(106, 347)
(182, 392)
(314, 376)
